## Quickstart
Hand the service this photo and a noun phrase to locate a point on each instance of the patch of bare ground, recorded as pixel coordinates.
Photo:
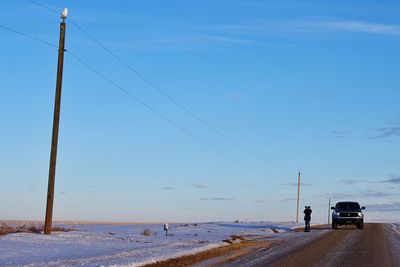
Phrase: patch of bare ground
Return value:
(237, 246)
(6, 229)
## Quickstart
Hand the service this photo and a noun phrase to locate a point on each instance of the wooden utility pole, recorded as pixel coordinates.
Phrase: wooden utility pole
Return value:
(56, 124)
(298, 198)
(329, 211)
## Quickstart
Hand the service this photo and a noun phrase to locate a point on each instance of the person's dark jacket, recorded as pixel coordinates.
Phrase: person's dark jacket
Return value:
(307, 214)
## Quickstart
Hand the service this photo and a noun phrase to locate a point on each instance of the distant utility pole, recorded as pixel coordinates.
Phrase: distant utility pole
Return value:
(56, 124)
(298, 198)
(329, 211)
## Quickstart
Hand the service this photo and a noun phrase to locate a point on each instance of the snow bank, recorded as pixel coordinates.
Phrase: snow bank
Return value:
(396, 227)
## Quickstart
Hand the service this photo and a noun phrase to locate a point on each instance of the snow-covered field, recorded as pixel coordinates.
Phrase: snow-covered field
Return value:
(124, 244)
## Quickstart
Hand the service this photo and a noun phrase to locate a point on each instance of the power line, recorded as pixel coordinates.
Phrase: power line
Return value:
(28, 36)
(166, 95)
(159, 114)
(173, 100)
(44, 7)
(138, 100)
(216, 149)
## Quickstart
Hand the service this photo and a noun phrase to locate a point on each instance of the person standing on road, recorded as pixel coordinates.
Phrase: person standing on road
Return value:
(166, 228)
(307, 218)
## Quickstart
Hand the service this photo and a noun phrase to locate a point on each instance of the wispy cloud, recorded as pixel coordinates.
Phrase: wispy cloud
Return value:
(189, 35)
(302, 24)
(390, 130)
(200, 185)
(375, 194)
(338, 133)
(343, 196)
(168, 188)
(386, 132)
(219, 39)
(261, 201)
(216, 198)
(190, 41)
(284, 200)
(362, 195)
(386, 207)
(181, 40)
(353, 181)
(238, 96)
(312, 25)
(293, 184)
(354, 26)
(395, 180)
(221, 198)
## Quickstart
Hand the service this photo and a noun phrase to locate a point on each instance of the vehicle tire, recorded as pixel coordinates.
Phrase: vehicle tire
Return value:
(334, 225)
(360, 225)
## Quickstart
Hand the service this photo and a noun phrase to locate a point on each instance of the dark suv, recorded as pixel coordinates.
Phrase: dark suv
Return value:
(347, 213)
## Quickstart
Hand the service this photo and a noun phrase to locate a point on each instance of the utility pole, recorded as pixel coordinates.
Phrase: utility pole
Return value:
(56, 124)
(298, 198)
(329, 211)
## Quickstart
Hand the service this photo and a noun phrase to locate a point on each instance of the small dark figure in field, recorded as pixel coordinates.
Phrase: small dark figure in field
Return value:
(166, 228)
(307, 218)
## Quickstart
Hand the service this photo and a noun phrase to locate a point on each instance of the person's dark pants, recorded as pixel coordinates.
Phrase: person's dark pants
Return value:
(307, 226)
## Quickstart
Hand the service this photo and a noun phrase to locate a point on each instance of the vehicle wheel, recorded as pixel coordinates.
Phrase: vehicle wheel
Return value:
(360, 225)
(334, 225)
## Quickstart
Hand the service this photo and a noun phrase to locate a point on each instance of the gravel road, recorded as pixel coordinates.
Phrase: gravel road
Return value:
(376, 245)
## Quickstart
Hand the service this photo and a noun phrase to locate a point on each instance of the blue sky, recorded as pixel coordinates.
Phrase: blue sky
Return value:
(301, 85)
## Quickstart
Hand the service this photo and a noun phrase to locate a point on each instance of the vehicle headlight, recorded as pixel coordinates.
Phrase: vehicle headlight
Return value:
(360, 214)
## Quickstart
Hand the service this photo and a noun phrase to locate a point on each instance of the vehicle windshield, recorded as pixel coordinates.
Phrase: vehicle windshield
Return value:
(348, 206)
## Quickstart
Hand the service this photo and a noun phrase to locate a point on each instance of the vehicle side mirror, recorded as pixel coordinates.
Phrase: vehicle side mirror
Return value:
(363, 208)
(332, 208)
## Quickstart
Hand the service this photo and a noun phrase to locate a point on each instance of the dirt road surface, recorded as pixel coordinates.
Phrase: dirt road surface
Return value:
(376, 245)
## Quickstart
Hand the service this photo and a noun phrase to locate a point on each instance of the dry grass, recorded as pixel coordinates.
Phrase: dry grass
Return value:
(147, 232)
(234, 239)
(223, 255)
(28, 228)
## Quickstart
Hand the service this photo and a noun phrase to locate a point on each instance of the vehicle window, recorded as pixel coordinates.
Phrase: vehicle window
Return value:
(347, 206)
